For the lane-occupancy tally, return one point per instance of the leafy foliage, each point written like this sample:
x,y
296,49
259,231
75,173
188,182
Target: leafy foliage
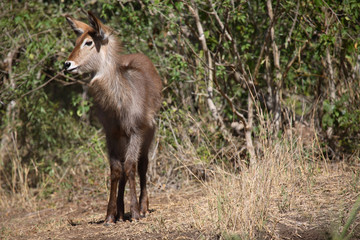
x,y
47,121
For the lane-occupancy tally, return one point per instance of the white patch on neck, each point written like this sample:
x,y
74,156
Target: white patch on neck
x,y
107,67
96,77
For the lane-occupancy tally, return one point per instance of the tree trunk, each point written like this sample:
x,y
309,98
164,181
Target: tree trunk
x,y
209,69
330,70
276,84
10,114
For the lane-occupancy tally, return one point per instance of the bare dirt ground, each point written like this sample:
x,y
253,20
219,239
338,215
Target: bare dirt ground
x,y
82,218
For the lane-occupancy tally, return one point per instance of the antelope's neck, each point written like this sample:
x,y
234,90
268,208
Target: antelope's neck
x,y
109,88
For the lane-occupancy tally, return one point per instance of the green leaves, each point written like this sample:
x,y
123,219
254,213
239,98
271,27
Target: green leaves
x,y
328,117
82,105
48,118
343,117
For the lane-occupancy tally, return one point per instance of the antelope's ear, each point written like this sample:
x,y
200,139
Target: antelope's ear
x,y
78,26
98,26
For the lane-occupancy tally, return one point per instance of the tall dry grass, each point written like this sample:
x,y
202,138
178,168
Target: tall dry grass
x,y
251,203
26,184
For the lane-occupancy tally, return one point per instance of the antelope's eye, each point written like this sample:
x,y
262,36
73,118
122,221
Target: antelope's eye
x,y
88,43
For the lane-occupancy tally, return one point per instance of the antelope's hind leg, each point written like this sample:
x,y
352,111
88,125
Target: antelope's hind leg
x,y
123,142
132,154
120,198
130,169
142,169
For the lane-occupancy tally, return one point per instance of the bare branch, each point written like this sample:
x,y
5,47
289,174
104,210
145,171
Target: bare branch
x,y
288,39
291,61
42,85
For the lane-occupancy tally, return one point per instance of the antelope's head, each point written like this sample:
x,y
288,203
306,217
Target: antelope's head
x,y
89,47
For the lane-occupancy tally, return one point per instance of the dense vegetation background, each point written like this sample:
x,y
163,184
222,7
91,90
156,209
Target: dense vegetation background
x,y
240,78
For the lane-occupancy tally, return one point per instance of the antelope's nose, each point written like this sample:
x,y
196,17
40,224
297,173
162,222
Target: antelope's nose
x,y
67,65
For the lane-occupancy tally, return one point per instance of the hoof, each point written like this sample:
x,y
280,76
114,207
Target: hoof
x,y
110,220
135,216
108,224
143,214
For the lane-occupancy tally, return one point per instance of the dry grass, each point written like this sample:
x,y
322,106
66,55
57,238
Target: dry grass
x,y
278,199
291,193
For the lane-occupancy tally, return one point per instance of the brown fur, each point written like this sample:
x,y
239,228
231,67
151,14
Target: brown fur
x,y
127,93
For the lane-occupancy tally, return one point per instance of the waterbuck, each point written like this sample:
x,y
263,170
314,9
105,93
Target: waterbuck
x,y
127,92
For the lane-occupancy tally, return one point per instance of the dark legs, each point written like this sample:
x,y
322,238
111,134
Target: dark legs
x,y
125,154
116,170
144,201
116,143
120,198
142,169
131,158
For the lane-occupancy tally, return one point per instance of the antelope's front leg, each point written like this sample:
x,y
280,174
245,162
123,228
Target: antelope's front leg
x,y
115,173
